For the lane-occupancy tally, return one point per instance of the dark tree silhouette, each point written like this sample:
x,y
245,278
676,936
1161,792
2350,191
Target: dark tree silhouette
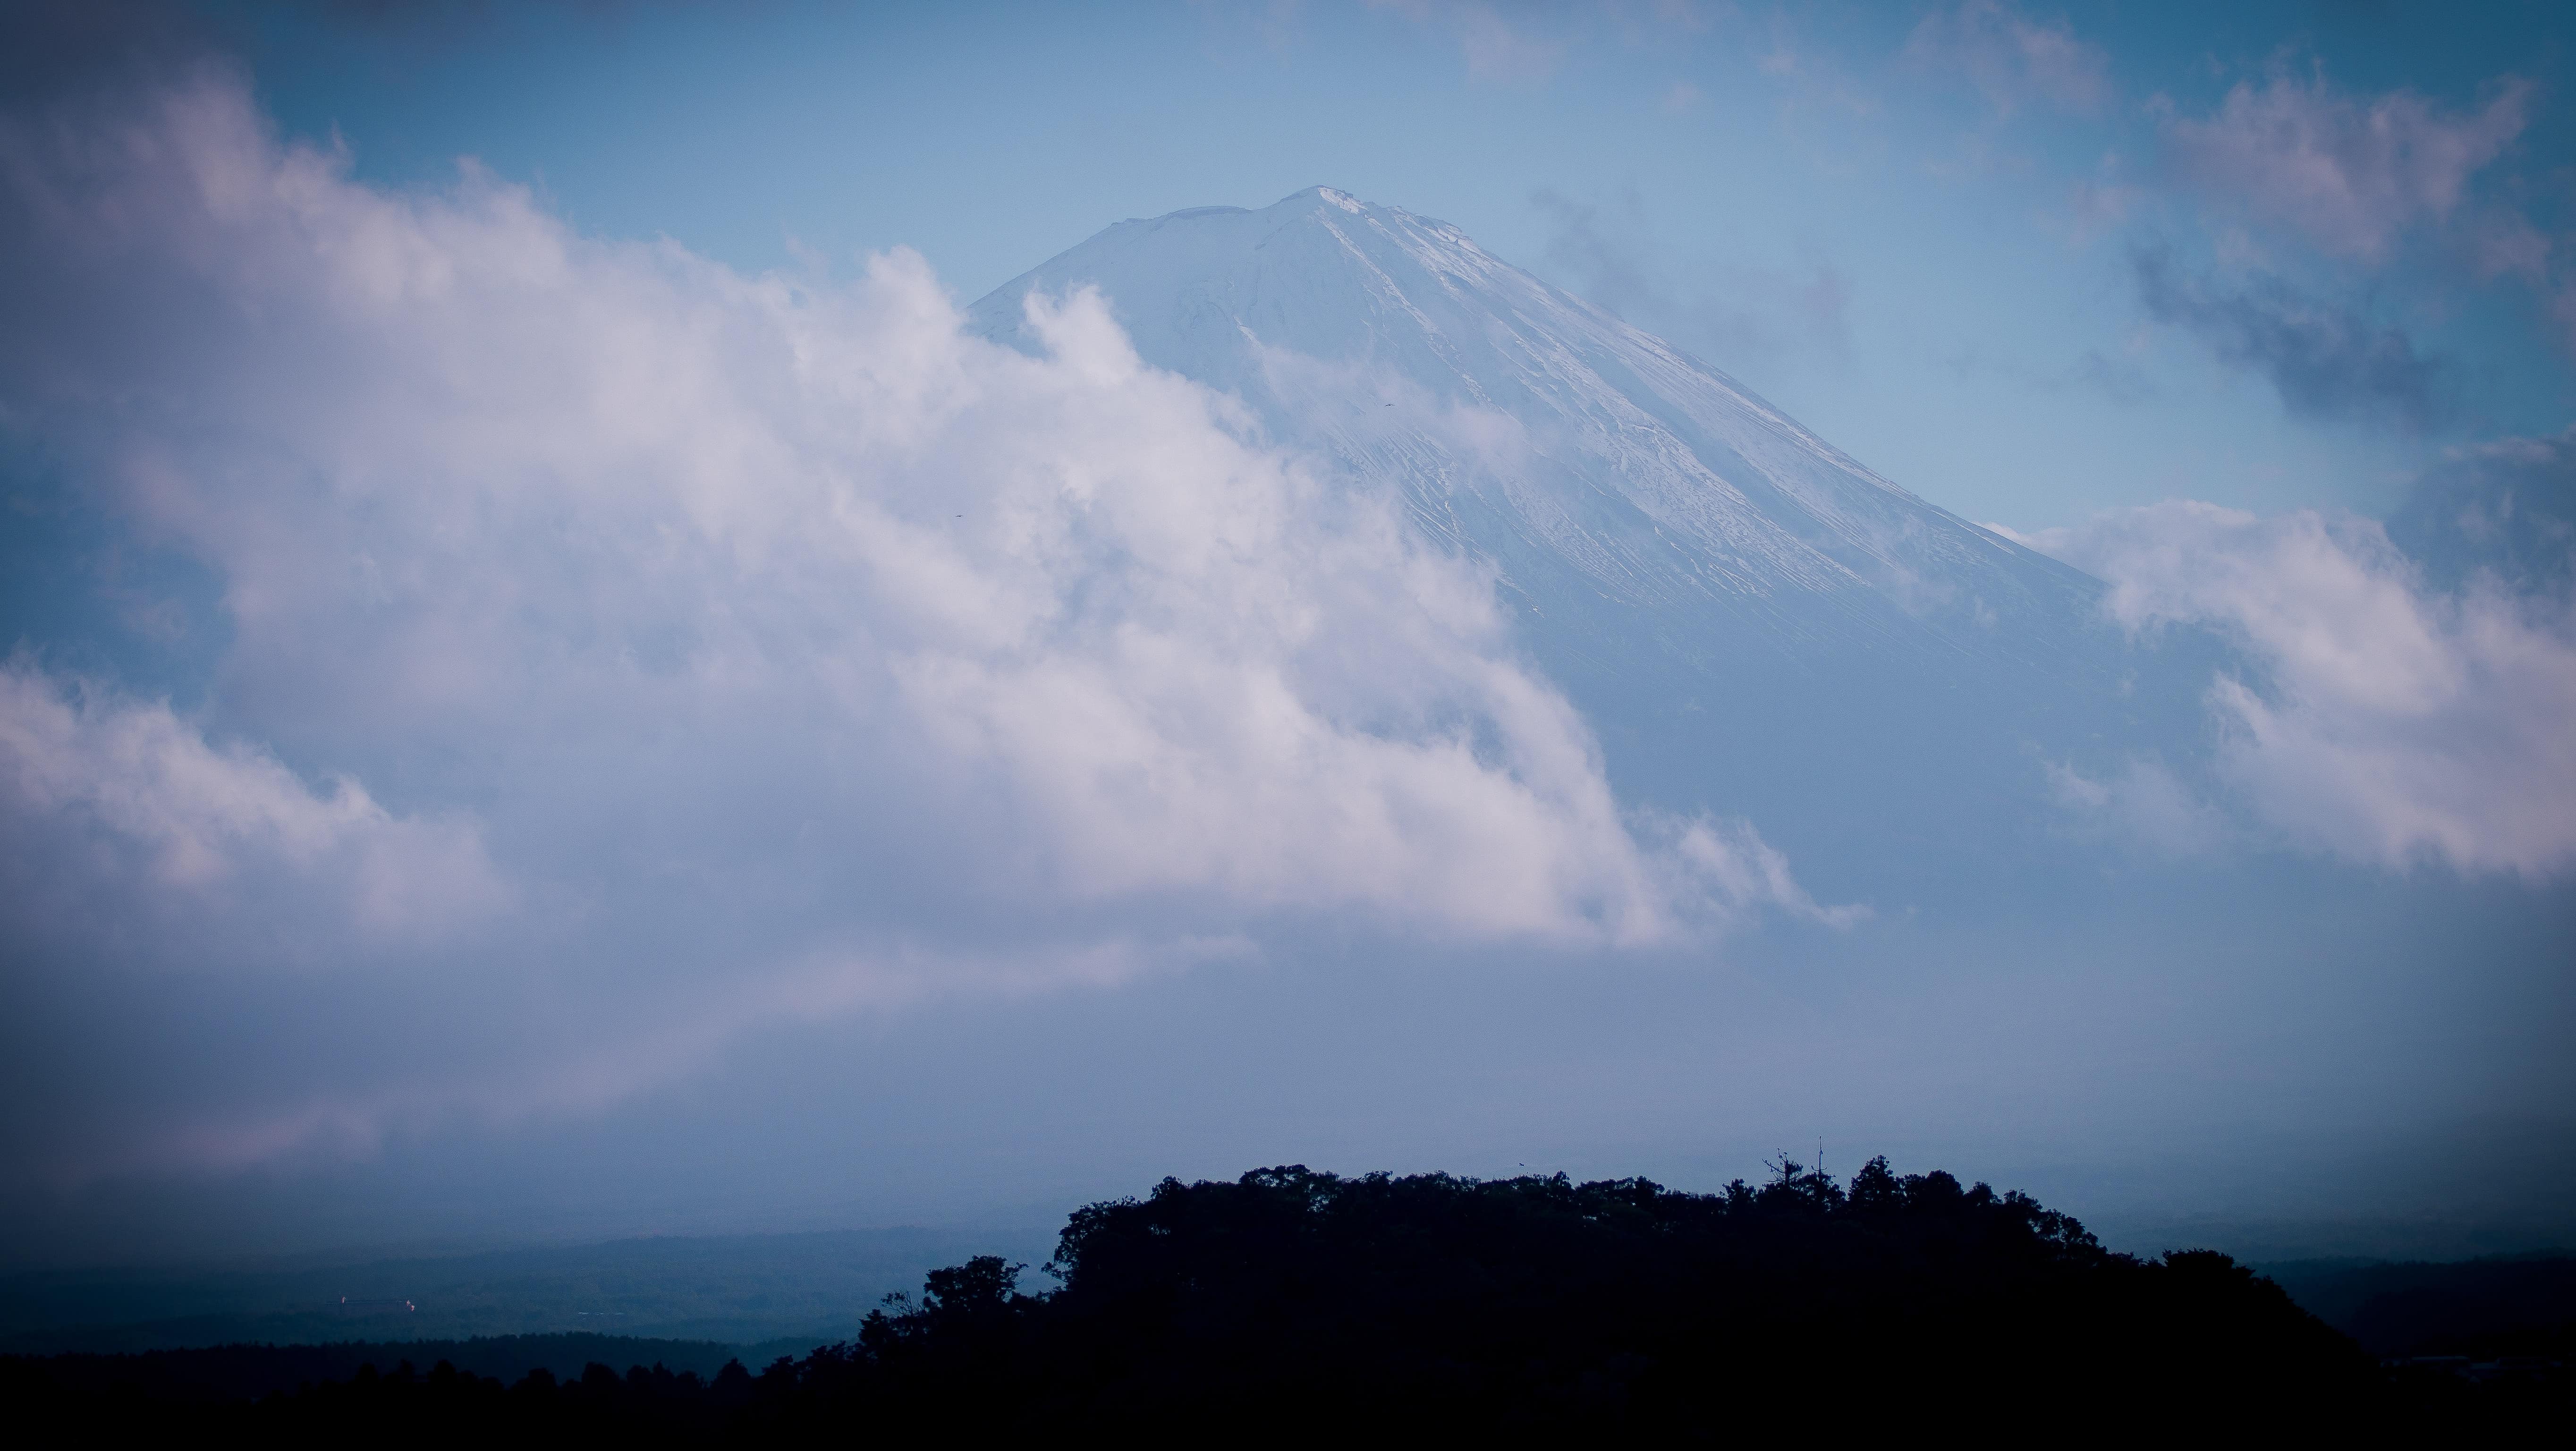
x,y
1296,1303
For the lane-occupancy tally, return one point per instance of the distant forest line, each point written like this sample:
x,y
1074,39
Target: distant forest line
x,y
1533,1304
737,1290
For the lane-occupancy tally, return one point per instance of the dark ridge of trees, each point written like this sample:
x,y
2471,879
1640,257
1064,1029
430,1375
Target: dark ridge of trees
x,y
1295,1303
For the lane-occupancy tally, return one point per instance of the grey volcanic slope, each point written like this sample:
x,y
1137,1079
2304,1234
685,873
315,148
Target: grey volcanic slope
x,y
1752,620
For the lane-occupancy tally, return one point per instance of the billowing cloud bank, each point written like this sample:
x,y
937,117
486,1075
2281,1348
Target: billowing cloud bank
x,y
699,639
2391,721
200,819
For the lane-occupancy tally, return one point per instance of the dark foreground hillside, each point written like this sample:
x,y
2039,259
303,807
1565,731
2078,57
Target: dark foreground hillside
x,y
2486,1309
1291,1303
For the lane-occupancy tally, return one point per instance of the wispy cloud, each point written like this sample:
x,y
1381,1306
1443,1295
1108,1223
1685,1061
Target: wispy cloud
x,y
1497,44
2118,379
2012,60
2352,173
2503,510
2096,208
2389,722
1752,313
2327,361
2143,802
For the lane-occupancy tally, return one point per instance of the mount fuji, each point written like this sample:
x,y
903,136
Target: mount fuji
x,y
1752,621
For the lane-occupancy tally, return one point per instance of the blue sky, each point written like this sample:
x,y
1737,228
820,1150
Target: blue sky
x,y
506,733
1893,220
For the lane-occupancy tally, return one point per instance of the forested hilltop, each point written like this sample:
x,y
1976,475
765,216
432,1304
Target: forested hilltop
x,y
1291,1302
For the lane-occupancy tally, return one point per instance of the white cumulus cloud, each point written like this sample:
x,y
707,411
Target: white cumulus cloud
x,y
2389,722
710,626
202,817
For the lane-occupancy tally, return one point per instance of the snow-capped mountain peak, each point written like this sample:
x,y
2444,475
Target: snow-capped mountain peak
x,y
1527,426
1751,619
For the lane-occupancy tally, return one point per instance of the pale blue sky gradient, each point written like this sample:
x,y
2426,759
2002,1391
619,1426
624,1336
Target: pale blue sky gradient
x,y
1862,232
